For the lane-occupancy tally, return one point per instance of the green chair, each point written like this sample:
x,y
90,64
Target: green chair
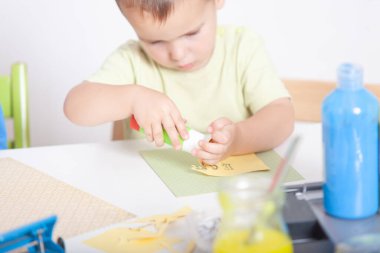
x,y
14,101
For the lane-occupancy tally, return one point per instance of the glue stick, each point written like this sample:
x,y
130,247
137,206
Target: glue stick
x,y
187,145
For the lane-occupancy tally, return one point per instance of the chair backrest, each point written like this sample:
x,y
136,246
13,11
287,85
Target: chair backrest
x,y
14,101
307,97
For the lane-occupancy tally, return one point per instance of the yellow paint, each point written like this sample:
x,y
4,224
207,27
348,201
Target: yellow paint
x,y
233,165
268,207
267,241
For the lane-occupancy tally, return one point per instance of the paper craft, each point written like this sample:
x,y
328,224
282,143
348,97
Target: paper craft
x,y
27,195
161,222
144,235
232,166
174,169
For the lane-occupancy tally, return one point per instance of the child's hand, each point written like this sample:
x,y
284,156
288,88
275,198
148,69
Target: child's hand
x,y
222,135
153,111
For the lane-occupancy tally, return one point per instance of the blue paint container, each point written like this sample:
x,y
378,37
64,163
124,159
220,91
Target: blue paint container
x,y
3,133
350,116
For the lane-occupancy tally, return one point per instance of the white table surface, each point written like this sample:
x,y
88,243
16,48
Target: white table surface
x,y
116,173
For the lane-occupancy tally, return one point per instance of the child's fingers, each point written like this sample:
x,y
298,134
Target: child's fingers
x,y
183,131
212,147
157,134
206,156
180,125
148,133
172,132
221,136
219,124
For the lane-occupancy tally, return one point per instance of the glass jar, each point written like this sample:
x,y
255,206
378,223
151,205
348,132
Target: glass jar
x,y
252,219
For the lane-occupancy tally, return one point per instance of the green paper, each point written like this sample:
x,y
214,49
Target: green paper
x,y
174,169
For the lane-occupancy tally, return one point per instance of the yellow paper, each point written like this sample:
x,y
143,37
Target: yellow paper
x,y
120,240
233,165
165,218
148,237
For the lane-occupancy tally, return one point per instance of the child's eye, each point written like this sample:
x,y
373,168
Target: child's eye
x,y
193,33
155,42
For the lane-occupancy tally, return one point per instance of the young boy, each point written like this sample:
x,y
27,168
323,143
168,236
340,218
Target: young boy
x,y
184,70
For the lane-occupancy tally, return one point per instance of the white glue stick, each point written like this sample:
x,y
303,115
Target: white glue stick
x,y
187,145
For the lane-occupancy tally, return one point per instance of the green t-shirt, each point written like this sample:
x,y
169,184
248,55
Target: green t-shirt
x,y
238,80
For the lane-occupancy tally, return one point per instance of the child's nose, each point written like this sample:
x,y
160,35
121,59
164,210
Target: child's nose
x,y
177,51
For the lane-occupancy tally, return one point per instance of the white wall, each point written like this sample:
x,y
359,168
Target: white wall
x,y
63,42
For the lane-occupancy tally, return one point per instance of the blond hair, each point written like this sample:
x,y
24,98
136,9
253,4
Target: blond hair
x,y
160,9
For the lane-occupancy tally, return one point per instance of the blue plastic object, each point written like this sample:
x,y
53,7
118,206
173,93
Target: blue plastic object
x,y
35,237
3,133
350,116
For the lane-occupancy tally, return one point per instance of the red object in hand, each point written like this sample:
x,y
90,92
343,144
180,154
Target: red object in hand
x,y
133,124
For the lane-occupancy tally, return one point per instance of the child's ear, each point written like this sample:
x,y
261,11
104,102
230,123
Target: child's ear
x,y
219,4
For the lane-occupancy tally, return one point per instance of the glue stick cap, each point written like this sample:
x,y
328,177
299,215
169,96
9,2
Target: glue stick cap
x,y
193,140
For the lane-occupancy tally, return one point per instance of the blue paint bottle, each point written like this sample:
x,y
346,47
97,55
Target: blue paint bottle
x,y
350,116
3,134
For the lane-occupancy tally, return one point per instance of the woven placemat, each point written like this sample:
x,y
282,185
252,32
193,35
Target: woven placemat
x,y
27,195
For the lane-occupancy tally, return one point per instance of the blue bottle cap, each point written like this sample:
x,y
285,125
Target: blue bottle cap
x,y
350,76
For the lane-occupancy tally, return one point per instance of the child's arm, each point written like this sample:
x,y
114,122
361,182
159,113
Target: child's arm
x,y
265,130
95,103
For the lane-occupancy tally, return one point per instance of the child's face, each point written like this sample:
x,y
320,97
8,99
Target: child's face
x,y
185,41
